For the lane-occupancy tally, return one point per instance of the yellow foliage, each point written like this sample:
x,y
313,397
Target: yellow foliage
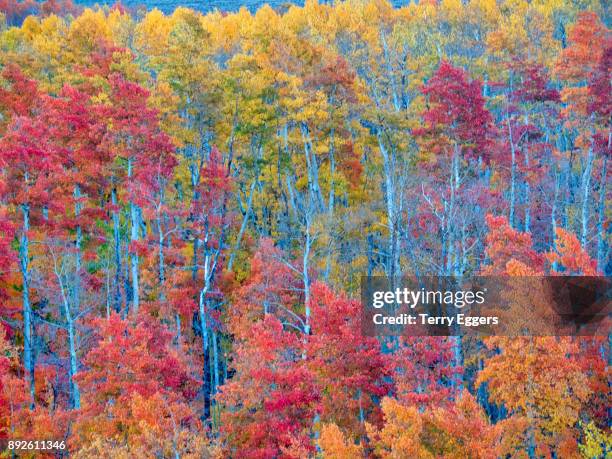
x,y
400,436
596,442
87,30
335,445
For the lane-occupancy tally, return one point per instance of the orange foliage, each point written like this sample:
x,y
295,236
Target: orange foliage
x,y
571,258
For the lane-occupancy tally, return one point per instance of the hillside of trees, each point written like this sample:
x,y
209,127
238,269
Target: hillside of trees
x,y
189,201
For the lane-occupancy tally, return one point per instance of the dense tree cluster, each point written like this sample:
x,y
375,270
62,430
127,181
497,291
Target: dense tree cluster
x,y
188,203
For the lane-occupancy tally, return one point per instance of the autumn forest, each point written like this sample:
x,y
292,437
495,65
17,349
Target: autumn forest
x,y
188,204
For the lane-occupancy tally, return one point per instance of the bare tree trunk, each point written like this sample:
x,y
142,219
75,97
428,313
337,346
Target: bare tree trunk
x,y
553,215
204,329
330,205
76,395
117,241
586,188
305,266
243,226
161,274
390,72
512,172
210,265
74,388
527,196
215,346
76,398
134,236
313,168
391,198
24,246
449,217
601,216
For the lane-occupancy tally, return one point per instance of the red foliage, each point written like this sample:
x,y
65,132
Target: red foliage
x,y
129,359
504,244
425,374
456,114
350,368
535,84
271,400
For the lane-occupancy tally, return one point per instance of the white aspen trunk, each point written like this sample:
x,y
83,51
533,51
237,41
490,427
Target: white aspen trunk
x,y
162,272
390,72
330,204
161,276
134,223
305,265
216,380
553,216
601,216
586,188
390,197
76,395
204,326
117,241
243,226
73,367
450,239
527,196
76,398
512,171
313,167
24,247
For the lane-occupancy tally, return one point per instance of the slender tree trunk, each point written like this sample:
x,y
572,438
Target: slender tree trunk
x,y
458,357
76,398
117,241
24,247
601,216
243,226
390,73
205,350
450,223
305,266
161,275
284,220
134,236
215,346
210,265
453,256
73,368
553,215
330,205
527,196
390,198
512,171
586,188
313,168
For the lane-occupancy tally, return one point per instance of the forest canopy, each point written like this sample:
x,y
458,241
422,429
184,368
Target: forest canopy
x,y
188,203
